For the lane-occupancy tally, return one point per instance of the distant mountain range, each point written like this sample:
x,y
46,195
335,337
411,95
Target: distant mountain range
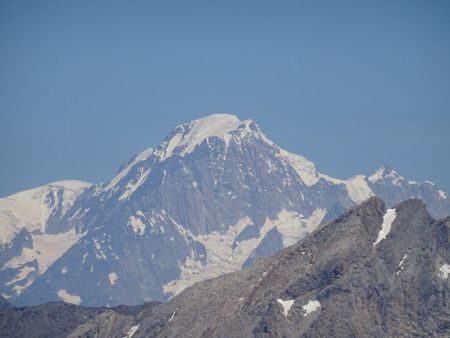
x,y
373,272
212,198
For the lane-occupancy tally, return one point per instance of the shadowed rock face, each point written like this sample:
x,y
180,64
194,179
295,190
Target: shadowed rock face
x,y
49,320
58,319
4,304
335,283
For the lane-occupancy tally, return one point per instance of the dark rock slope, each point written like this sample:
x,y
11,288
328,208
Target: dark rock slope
x,y
4,304
57,319
371,273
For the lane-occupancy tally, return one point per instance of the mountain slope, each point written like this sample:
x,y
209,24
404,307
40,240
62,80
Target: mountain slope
x,y
213,197
32,236
373,272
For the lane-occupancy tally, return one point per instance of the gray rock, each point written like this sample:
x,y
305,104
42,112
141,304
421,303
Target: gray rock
x,y
392,289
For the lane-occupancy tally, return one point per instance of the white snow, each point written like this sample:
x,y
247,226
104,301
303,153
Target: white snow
x,y
139,158
357,187
293,226
112,278
445,271
400,265
388,219
311,306
197,131
286,304
18,289
442,195
23,273
395,177
68,298
222,258
30,209
137,223
132,331
98,250
132,186
46,250
303,167
403,259
377,176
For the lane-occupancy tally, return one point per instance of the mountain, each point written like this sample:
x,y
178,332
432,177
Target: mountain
x,y
372,272
32,235
212,198
43,321
4,304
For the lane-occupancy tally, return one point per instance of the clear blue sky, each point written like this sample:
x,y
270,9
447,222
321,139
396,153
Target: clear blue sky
x,y
352,85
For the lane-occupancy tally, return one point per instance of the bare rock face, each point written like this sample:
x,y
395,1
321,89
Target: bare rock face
x,y
371,273
212,198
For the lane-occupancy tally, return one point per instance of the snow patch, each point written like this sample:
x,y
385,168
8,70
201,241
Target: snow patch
x,y
442,195
388,219
400,265
137,224
98,250
68,298
357,187
132,331
304,168
46,250
132,186
445,271
192,134
30,209
293,226
139,158
403,259
311,306
381,174
377,176
286,304
23,273
222,258
112,278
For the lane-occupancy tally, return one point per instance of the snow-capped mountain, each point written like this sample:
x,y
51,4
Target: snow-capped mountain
x,y
32,235
214,196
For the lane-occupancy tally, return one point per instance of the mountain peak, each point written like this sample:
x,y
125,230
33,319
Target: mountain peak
x,y
186,137
386,172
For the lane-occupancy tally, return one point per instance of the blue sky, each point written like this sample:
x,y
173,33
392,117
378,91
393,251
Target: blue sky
x,y
351,85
